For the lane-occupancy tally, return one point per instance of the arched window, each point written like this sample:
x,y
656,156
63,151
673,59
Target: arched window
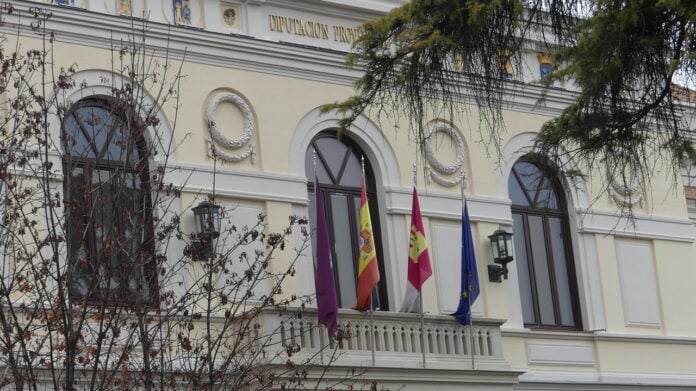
x,y
548,288
338,170
108,206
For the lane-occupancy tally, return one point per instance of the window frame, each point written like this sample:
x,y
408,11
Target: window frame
x,y
561,213
139,170
354,194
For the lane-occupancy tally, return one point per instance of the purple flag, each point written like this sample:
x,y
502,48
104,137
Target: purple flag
x,y
327,303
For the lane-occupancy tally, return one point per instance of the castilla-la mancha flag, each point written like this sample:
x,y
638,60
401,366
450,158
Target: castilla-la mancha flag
x,y
418,260
368,270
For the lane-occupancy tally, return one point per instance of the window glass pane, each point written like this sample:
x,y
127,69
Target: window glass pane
x,y
523,270
77,210
561,272
119,144
516,193
322,174
529,175
356,209
343,245
97,122
333,152
547,196
107,243
352,174
75,143
541,270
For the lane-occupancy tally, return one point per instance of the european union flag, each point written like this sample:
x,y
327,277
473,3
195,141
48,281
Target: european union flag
x,y
470,283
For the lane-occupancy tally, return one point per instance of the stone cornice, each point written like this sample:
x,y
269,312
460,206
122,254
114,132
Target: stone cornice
x,y
94,29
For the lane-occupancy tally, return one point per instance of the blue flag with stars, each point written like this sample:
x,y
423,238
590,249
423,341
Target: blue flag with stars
x,y
470,284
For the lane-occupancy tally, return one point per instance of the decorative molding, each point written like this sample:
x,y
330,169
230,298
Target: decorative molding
x,y
218,138
97,82
241,184
543,334
659,339
595,336
448,206
568,380
437,171
364,132
642,226
628,192
249,53
559,354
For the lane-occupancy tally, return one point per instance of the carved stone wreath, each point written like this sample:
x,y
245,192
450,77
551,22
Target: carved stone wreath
x,y
218,140
437,170
629,193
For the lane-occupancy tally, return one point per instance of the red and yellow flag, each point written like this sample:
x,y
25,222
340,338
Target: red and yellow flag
x,y
368,270
419,268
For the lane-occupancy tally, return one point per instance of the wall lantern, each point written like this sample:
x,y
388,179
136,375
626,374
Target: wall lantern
x,y
501,246
208,217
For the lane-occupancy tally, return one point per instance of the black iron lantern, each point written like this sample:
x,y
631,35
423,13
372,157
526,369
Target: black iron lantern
x,y
501,247
207,215
208,218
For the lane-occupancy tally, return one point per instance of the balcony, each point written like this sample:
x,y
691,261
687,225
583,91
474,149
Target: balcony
x,y
398,340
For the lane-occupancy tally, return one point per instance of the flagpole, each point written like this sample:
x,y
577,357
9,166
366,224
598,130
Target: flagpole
x,y
372,311
314,162
420,293
468,280
372,330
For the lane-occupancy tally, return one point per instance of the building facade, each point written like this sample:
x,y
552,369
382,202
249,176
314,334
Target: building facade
x,y
591,302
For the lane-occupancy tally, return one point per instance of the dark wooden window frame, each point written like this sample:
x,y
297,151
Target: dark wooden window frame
x,y
331,189
100,163
545,214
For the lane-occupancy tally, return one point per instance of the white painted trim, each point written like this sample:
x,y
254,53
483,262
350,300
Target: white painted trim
x,y
364,132
591,284
449,205
511,332
657,339
238,183
376,6
520,145
257,54
98,83
385,165
643,226
561,378
586,273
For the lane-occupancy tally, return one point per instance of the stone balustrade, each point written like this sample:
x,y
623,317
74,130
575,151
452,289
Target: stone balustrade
x,y
397,339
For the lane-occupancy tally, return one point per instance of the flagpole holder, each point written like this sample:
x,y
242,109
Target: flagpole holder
x,y
497,273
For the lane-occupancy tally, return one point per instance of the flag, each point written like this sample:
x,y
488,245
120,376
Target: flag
x,y
470,283
327,302
418,260
368,270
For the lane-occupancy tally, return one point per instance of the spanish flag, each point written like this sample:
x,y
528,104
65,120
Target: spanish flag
x,y
368,271
419,268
